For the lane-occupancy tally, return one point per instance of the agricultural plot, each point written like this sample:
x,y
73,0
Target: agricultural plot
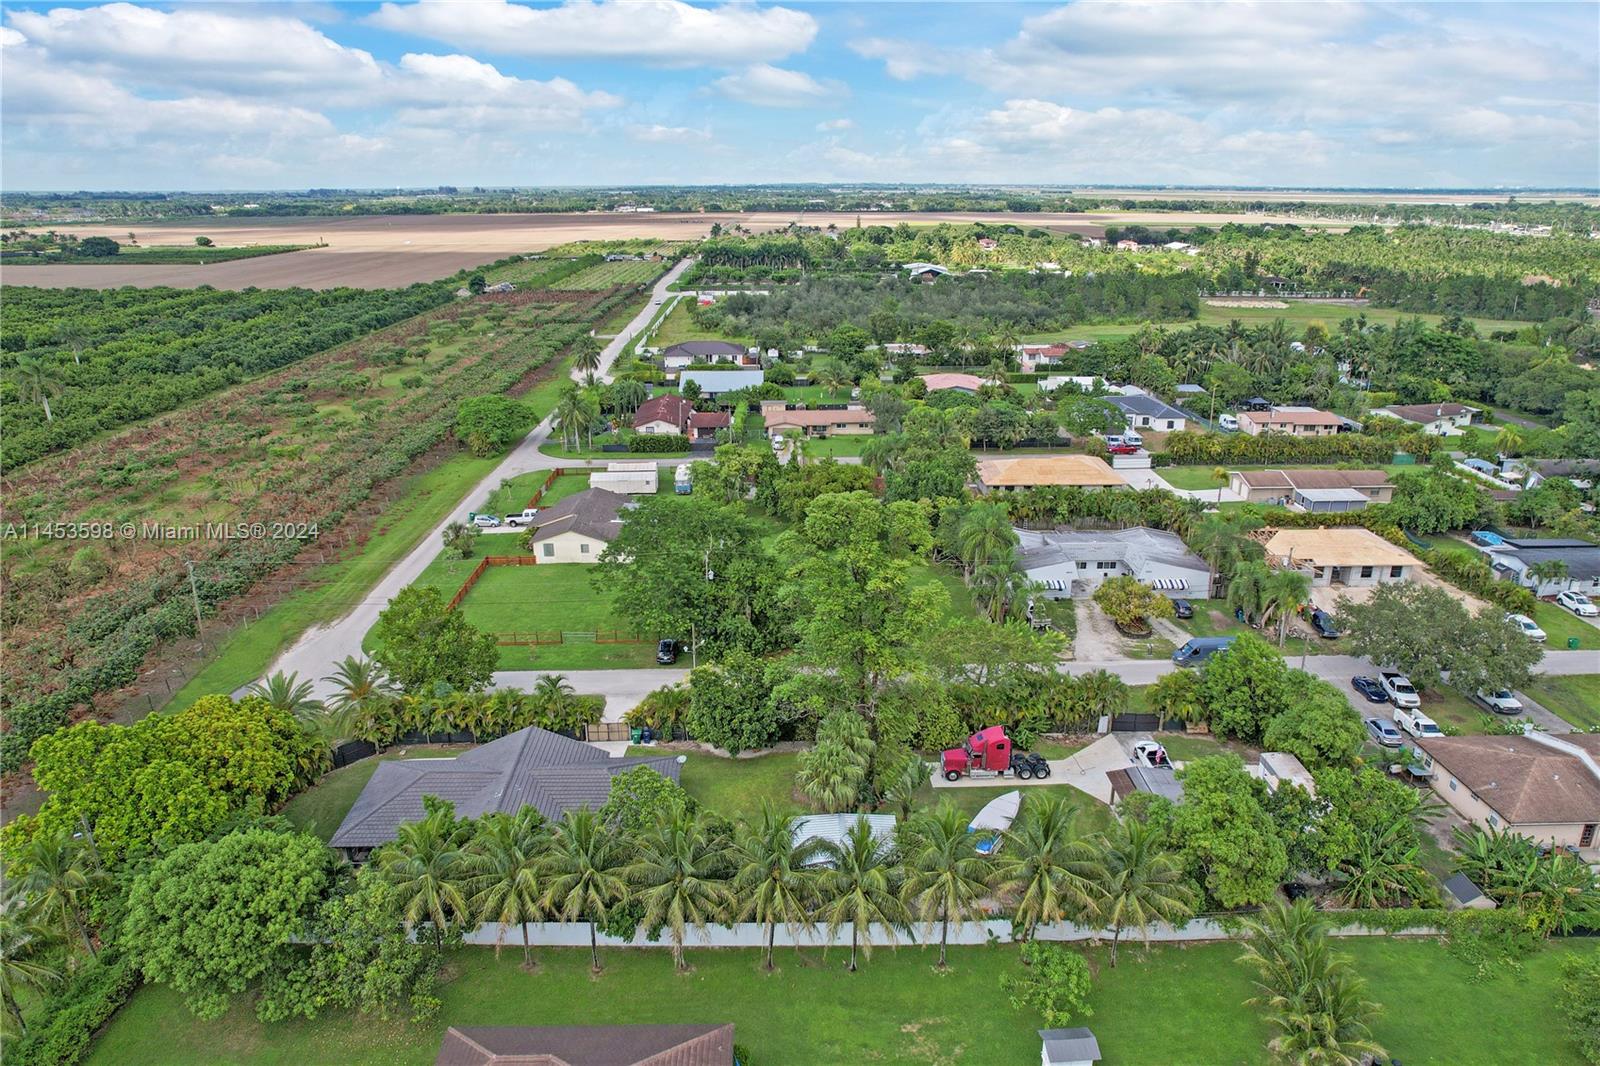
x,y
608,275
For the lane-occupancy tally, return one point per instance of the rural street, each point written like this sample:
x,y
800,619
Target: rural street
x,y
321,648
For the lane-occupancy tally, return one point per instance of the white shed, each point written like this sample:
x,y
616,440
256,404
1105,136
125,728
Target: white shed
x,y
1068,1047
634,479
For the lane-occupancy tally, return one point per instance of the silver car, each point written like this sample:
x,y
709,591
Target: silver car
x,y
1384,733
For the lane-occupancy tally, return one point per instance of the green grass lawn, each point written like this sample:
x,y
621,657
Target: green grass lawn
x,y
1575,697
1561,625
340,585
514,493
678,327
1170,1006
320,808
737,787
833,447
960,595
1449,708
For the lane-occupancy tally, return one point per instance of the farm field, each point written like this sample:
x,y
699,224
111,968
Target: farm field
x,y
135,255
678,327
810,1011
606,275
1297,314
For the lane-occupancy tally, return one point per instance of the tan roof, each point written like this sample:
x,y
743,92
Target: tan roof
x,y
1313,479
1347,546
1048,470
1280,415
1524,781
935,382
847,417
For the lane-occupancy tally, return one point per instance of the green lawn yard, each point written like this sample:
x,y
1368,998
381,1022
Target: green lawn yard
x,y
832,447
1450,709
678,327
944,574
1575,697
514,493
737,787
1561,625
1169,1007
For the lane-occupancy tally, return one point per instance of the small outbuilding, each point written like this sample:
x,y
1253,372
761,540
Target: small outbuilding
x,y
1068,1047
1466,895
633,479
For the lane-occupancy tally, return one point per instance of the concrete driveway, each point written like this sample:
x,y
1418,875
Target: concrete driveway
x,y
1084,770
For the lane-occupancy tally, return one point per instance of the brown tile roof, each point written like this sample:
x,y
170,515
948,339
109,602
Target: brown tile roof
x,y
710,419
1086,470
588,1045
1525,781
1313,479
673,409
847,417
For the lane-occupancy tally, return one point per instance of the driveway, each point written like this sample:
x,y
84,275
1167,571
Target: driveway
x,y
321,648
1097,637
1149,479
1084,770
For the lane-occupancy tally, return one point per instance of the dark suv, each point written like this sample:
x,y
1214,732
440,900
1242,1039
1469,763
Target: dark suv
x,y
667,652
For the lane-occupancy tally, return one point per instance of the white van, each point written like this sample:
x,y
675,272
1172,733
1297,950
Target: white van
x,y
1133,438
1228,422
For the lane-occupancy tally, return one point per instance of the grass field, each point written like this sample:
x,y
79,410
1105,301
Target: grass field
x,y
1575,697
736,787
678,327
161,254
1561,625
960,595
603,276
514,493
1170,1006
833,447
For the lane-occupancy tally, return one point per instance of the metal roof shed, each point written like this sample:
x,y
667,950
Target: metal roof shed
x,y
1069,1047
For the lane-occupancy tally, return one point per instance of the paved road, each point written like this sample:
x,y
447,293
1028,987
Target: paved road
x,y
314,656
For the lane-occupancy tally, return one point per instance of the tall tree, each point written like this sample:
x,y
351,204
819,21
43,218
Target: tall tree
x,y
858,887
1046,866
502,871
60,874
772,875
677,877
945,878
27,956
1140,883
584,873
426,863
422,643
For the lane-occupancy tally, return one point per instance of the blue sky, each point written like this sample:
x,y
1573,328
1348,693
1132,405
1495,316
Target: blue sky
x,y
464,92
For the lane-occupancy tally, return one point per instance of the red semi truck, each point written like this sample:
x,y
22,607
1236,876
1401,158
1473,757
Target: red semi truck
x,y
988,753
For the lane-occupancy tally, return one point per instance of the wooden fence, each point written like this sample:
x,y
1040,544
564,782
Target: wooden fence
x,y
484,564
551,480
534,638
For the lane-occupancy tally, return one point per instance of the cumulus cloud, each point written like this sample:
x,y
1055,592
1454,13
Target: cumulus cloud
x,y
833,124
668,134
768,86
659,31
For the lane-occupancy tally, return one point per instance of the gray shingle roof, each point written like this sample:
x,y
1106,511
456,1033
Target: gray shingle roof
x,y
706,349
1133,547
592,512
1145,404
1069,1045
532,767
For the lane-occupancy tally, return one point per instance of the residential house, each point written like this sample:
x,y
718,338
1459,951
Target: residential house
x,y
1515,558
1068,1047
1027,472
1438,419
1037,358
905,348
631,479
1127,246
925,271
681,355
532,767
967,383
1347,555
717,382
1537,785
1312,490
1295,421
1581,472
1144,411
578,528
588,1045
1073,562
824,422
673,414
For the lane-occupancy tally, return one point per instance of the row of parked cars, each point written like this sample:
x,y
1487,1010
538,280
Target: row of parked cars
x,y
1397,689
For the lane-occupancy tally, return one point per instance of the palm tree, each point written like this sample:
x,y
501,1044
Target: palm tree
x,y
586,354
830,375
858,887
629,393
58,874
26,956
1311,995
1101,693
944,876
552,693
362,691
1281,593
288,693
984,535
1247,590
38,380
1222,543
1383,869
502,871
1045,865
771,874
425,863
1140,883
900,792
676,878
1176,696
583,873
1508,441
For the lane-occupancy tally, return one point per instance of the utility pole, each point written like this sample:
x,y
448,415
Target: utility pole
x,y
194,594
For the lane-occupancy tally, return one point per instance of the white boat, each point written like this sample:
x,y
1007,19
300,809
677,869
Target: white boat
x,y
995,818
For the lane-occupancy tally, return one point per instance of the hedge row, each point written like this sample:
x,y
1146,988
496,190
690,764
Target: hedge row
x,y
74,1014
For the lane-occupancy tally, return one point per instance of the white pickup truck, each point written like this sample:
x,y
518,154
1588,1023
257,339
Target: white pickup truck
x,y
524,519
1402,693
1417,724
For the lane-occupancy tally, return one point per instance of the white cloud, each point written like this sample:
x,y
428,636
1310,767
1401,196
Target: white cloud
x,y
832,124
668,134
768,86
661,31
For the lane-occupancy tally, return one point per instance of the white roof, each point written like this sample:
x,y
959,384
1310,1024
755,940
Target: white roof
x,y
832,828
998,813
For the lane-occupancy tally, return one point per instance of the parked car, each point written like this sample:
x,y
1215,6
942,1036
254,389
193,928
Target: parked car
x,y
524,519
1383,733
486,521
1500,701
1200,649
1228,422
1529,627
1417,724
1370,688
1322,622
1182,608
1133,438
1578,603
1402,693
667,651
1123,448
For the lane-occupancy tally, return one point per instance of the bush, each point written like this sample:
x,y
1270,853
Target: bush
x,y
657,442
74,1014
1055,983
490,424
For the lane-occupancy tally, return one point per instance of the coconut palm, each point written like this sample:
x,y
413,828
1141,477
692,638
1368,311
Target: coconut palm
x,y
676,878
901,788
629,393
552,693
945,878
1247,590
583,873
1383,870
1140,883
830,376
425,864
288,693
858,887
984,535
1281,593
502,871
38,380
27,956
1045,865
772,878
1101,693
362,692
59,873
1508,441
586,354
1310,994
1176,696
1222,543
